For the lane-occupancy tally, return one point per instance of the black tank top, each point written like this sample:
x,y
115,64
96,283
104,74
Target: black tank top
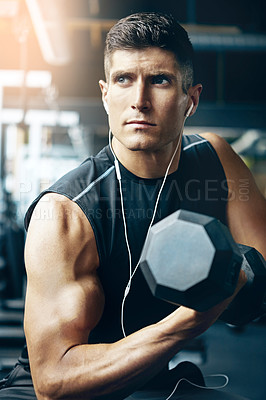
x,y
199,185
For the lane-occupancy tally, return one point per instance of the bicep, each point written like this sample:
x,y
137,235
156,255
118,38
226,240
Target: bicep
x,y
64,299
246,206
246,211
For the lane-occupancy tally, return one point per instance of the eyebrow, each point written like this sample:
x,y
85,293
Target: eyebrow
x,y
118,73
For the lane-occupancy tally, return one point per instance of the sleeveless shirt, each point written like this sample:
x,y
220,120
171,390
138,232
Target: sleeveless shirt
x,y
199,185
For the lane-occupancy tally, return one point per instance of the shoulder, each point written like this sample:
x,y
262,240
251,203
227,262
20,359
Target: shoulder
x,y
58,230
56,210
219,143
233,165
237,173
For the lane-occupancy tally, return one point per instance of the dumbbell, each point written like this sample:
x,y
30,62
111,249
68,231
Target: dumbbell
x,y
191,259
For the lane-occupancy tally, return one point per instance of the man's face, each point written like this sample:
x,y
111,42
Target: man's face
x,y
146,103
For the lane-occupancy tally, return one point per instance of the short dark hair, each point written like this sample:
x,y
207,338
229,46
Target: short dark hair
x,y
150,29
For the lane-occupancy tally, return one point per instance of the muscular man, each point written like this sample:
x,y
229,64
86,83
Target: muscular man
x,y
85,231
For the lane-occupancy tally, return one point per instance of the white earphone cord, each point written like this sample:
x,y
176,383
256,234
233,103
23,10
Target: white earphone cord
x,y
199,386
150,225
118,174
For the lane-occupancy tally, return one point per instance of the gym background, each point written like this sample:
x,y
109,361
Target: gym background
x,y
51,118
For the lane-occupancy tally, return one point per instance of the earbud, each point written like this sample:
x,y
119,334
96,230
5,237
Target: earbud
x,y
189,110
106,107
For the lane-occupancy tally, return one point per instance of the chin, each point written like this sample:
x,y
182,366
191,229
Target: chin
x,y
141,142
141,146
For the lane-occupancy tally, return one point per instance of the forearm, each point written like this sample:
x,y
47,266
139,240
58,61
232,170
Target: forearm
x,y
105,371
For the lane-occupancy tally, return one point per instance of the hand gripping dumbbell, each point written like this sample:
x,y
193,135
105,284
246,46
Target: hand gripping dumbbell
x,y
191,259
250,302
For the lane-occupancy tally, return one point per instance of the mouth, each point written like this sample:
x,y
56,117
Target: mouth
x,y
140,123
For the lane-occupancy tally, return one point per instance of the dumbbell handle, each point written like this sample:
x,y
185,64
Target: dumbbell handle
x,y
245,264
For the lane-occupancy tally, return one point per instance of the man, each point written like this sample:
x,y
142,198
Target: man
x,y
86,232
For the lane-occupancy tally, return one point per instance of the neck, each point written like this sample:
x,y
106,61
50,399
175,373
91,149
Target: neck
x,y
149,164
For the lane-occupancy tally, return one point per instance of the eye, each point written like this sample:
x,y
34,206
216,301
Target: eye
x,y
160,80
122,79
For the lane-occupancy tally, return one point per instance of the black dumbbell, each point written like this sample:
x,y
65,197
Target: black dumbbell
x,y
192,259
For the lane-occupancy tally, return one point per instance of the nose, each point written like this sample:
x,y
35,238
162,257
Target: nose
x,y
141,98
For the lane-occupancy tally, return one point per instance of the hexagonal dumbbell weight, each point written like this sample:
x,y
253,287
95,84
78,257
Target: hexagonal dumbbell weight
x,y
191,259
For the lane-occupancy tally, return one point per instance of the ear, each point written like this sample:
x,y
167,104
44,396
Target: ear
x,y
104,89
194,95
